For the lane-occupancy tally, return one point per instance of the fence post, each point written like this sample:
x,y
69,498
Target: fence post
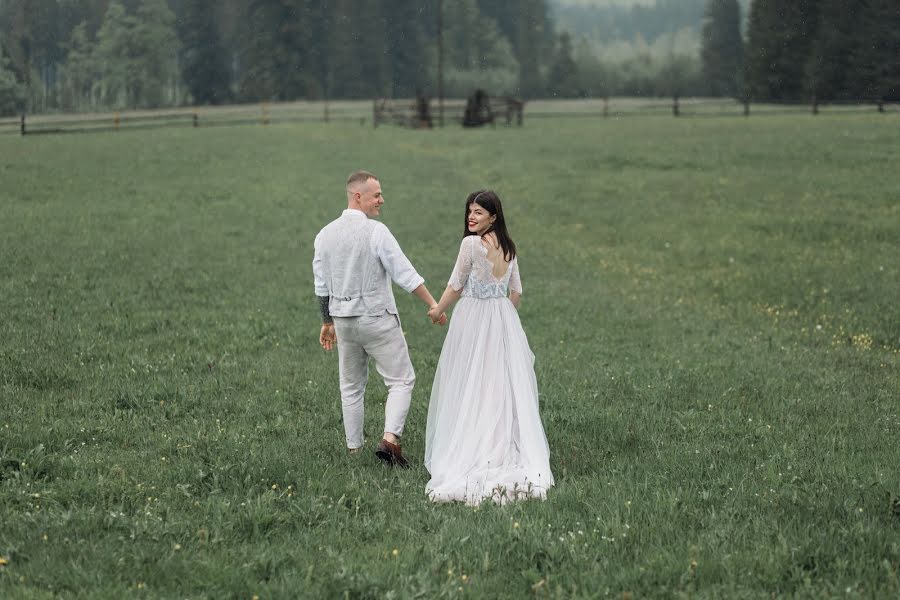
x,y
196,120
23,124
880,109
605,107
815,105
264,114
374,113
746,107
116,121
675,111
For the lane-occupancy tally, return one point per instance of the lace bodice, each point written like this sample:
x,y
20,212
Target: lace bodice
x,y
473,273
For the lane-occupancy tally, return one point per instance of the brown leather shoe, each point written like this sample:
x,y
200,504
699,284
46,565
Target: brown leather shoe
x,y
391,454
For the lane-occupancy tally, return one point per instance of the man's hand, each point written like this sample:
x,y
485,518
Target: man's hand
x,y
436,318
327,337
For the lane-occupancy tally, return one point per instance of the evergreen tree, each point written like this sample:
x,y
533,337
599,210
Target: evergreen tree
x,y
874,65
528,34
155,55
722,51
342,69
136,55
204,60
113,54
12,93
527,25
278,50
478,56
81,70
370,34
562,79
594,79
828,63
780,36
408,49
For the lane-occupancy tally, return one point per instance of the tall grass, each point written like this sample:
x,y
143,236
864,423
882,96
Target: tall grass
x,y
712,304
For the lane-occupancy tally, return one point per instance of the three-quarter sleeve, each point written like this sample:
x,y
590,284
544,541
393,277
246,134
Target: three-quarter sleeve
x,y
515,282
464,262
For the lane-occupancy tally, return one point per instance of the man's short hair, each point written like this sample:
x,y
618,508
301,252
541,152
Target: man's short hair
x,y
360,177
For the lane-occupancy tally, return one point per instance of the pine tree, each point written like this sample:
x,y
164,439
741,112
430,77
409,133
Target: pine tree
x,y
81,70
780,36
874,65
408,49
722,52
12,93
204,60
827,73
113,54
528,34
562,79
155,48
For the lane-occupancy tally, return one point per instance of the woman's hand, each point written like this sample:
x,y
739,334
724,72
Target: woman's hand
x,y
437,317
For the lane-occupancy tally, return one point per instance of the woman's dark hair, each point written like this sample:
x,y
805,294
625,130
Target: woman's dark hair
x,y
490,201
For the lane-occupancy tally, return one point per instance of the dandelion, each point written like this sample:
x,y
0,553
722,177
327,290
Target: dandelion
x,y
395,552
3,561
863,341
516,525
177,547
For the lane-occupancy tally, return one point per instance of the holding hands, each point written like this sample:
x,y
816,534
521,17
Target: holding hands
x,y
437,317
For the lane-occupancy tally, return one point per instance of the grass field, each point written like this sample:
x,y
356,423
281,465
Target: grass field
x,y
713,306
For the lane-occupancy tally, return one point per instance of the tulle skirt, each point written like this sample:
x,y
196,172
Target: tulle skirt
x,y
484,438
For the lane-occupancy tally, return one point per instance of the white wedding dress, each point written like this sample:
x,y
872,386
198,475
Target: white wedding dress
x,y
484,438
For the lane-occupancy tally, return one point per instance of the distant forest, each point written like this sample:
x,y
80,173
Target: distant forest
x,y
83,55
604,23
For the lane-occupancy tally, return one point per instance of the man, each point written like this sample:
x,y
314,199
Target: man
x,y
355,260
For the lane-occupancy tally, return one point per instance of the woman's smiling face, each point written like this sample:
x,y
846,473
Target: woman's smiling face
x,y
479,218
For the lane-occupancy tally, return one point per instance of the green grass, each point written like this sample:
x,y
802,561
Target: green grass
x,y
713,305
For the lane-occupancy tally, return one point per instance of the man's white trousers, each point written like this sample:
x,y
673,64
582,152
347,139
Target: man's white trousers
x,y
380,338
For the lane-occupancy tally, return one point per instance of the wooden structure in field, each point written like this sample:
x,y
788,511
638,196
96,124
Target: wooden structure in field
x,y
480,109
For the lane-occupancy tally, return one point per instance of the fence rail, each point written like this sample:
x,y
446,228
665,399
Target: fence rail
x,y
364,112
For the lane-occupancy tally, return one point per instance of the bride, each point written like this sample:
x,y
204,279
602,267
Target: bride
x,y
484,438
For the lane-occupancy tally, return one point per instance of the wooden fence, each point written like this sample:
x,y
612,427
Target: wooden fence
x,y
403,113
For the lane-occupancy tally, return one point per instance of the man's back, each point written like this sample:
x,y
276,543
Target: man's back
x,y
356,278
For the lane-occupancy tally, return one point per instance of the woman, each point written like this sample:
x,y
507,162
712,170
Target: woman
x,y
484,438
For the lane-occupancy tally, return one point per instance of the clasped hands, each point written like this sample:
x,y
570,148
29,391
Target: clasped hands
x,y
328,338
440,319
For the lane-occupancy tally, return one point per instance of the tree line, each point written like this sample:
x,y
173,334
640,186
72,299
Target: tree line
x,y
93,54
80,55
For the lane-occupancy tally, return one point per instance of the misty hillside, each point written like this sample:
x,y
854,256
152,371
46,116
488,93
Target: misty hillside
x,y
612,20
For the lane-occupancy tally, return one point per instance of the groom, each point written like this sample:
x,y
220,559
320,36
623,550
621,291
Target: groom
x,y
355,260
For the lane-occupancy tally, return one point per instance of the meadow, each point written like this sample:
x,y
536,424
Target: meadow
x,y
712,303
